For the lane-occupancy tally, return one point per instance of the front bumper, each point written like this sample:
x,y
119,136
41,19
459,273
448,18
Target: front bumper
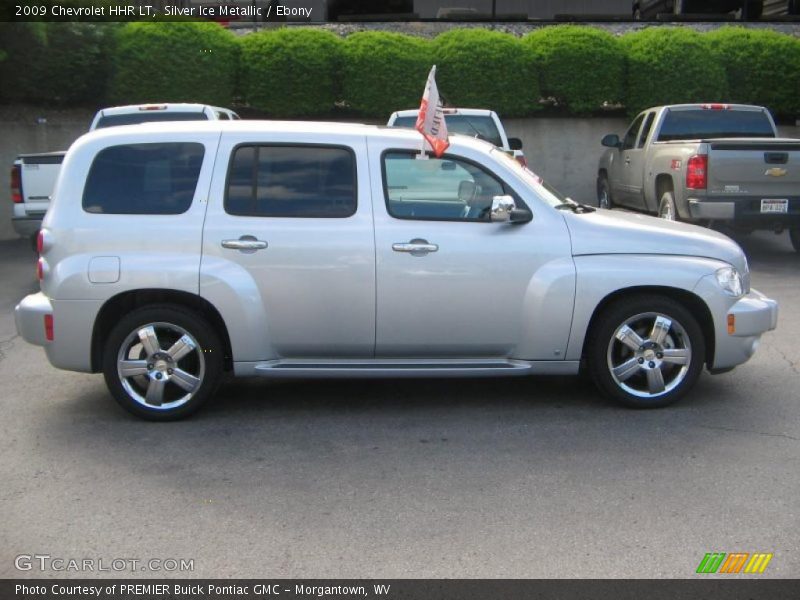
x,y
753,315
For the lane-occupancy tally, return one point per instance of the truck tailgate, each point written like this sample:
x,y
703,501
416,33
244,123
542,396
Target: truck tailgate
x,y
756,168
39,174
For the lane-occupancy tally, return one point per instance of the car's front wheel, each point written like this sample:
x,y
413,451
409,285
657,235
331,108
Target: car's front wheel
x,y
646,351
162,362
604,193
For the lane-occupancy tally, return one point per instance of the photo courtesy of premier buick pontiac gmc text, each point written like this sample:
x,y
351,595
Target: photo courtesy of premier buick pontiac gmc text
x,y
177,253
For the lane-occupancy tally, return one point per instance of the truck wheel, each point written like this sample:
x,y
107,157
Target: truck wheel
x,y
604,193
646,351
666,208
794,235
163,362
754,9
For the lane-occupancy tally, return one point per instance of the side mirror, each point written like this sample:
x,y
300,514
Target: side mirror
x,y
501,209
515,143
521,215
611,141
504,210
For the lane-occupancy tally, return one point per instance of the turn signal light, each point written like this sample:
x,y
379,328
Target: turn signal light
x,y
731,324
40,269
48,327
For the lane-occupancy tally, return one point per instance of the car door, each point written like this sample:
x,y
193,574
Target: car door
x,y
623,169
634,164
452,284
288,247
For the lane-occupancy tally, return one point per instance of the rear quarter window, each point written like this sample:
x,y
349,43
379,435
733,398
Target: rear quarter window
x,y
143,179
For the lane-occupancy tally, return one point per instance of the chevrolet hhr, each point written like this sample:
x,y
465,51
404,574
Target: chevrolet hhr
x,y
177,253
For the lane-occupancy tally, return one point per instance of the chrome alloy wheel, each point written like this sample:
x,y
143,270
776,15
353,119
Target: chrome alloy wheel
x,y
667,211
160,366
649,355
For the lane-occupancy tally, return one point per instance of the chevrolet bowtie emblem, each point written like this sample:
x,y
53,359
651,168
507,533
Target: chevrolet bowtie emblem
x,y
775,172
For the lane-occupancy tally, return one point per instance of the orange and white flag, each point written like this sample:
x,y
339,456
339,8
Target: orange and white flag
x,y
430,121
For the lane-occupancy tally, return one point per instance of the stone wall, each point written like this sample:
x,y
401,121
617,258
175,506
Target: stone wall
x,y
564,151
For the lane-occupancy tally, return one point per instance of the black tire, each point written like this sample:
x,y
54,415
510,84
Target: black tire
x,y
604,198
629,376
666,207
184,384
755,8
794,236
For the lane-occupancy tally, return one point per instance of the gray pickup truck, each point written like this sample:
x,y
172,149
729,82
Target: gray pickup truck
x,y
705,163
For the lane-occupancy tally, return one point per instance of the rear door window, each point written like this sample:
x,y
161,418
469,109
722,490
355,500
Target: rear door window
x,y
292,181
143,179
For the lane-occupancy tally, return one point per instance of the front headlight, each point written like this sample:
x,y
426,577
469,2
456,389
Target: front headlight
x,y
730,281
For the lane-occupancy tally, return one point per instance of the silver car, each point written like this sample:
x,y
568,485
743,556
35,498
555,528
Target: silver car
x,y
177,253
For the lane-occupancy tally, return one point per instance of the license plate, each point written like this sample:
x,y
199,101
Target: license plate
x,y
775,206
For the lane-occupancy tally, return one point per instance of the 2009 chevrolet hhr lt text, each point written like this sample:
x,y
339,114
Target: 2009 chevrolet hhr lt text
x,y
176,252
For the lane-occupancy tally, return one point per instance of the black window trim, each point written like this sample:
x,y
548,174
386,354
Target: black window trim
x,y
507,189
149,214
349,149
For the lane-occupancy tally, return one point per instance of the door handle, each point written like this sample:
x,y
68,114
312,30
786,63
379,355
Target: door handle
x,y
416,247
245,243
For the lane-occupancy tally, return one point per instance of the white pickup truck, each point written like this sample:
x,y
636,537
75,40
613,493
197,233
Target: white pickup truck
x,y
33,176
475,122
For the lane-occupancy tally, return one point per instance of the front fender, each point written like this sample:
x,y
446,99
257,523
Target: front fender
x,y
599,276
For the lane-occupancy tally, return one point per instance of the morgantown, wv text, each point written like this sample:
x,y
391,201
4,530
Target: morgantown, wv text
x,y
199,589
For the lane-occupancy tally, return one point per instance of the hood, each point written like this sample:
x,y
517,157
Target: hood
x,y
617,232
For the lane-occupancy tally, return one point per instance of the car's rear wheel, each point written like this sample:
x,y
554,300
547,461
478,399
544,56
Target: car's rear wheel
x,y
604,199
666,207
162,362
794,236
646,351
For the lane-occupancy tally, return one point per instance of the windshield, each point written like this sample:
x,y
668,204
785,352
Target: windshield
x,y
480,127
546,192
148,117
697,124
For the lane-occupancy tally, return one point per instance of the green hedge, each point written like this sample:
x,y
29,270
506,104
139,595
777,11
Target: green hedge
x,y
384,72
55,63
291,72
762,67
477,68
668,65
581,67
309,72
174,62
